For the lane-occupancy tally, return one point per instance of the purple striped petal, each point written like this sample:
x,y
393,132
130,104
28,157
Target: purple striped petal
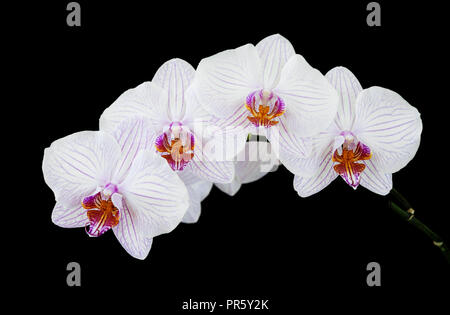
x,y
155,192
208,164
291,148
389,126
197,189
131,230
195,115
323,176
348,88
175,76
311,101
376,181
69,216
224,80
147,99
132,134
75,165
227,137
274,51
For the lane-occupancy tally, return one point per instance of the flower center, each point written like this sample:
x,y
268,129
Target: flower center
x,y
348,167
176,145
102,214
269,108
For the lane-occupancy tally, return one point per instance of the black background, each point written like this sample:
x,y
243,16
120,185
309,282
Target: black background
x,y
265,242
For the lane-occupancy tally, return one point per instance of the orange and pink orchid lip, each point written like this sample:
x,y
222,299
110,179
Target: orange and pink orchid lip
x,y
176,147
102,214
270,107
349,166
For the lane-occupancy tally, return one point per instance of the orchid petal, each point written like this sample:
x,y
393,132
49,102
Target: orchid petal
x,y
255,161
311,101
153,190
258,160
131,230
230,188
75,165
292,149
147,99
133,135
226,137
389,126
175,76
376,181
197,189
195,115
208,164
248,171
222,81
229,135
323,176
69,216
348,88
274,51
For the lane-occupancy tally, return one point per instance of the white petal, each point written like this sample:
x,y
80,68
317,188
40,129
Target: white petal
x,y
389,126
75,165
258,159
374,180
311,101
287,143
255,161
175,76
323,176
131,230
223,81
230,188
69,216
225,137
198,189
249,171
274,51
201,186
195,115
229,135
147,99
132,134
208,164
154,191
348,88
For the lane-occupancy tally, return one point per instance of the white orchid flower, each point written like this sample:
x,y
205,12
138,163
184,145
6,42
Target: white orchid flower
x,y
180,127
269,90
375,133
105,181
255,161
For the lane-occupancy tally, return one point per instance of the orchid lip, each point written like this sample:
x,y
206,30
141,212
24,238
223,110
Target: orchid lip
x,y
350,165
176,145
270,107
102,214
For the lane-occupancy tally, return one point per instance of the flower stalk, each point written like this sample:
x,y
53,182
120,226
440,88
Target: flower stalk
x,y
402,200
409,217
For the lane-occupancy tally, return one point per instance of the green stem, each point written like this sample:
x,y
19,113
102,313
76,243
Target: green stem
x,y
402,200
411,219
